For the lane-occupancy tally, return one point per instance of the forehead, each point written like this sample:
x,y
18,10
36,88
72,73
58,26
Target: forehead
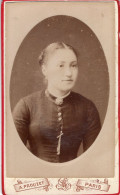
x,y
62,55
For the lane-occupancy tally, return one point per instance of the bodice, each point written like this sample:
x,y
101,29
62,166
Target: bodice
x,y
39,121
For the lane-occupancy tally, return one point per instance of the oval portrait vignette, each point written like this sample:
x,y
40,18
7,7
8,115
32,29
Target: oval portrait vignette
x,y
59,89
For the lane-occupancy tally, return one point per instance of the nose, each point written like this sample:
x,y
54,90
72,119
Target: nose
x,y
68,72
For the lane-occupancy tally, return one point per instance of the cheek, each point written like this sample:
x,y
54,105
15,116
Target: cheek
x,y
76,73
50,73
54,73
53,76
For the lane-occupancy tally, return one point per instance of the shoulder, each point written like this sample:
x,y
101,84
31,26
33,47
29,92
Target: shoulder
x,y
34,100
83,102
80,98
33,97
29,100
86,105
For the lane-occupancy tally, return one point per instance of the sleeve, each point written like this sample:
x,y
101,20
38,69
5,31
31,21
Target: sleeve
x,y
21,120
92,126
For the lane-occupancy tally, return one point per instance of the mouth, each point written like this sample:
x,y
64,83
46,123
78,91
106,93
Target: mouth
x,y
68,80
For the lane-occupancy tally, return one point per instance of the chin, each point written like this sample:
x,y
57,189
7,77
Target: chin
x,y
66,89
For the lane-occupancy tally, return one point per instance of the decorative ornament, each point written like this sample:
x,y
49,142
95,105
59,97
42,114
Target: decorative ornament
x,y
59,101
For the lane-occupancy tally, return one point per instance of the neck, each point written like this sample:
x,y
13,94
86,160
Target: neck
x,y
57,93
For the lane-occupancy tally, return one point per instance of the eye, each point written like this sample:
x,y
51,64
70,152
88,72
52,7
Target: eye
x,y
73,65
61,65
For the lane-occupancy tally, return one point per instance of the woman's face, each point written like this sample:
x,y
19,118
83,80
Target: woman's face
x,y
61,70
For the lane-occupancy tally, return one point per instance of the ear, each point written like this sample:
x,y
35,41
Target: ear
x,y
44,70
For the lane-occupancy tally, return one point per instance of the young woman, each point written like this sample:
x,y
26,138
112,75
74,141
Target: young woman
x,y
57,120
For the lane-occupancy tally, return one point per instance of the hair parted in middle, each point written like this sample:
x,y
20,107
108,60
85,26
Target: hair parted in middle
x,y
51,49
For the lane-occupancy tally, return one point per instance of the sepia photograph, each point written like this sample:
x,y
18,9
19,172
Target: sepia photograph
x,y
60,97
52,120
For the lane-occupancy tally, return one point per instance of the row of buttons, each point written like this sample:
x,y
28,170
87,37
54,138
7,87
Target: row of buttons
x,y
59,113
60,118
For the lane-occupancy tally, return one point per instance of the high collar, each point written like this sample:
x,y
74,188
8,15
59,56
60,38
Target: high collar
x,y
57,100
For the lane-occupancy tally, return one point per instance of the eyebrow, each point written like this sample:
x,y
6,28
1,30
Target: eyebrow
x,y
74,61
71,61
62,61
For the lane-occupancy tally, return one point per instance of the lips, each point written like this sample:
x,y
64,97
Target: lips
x,y
68,80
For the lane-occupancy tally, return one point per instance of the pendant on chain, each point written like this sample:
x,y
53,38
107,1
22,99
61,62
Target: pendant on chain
x,y
59,142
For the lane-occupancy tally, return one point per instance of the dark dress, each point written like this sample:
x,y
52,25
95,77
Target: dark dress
x,y
39,120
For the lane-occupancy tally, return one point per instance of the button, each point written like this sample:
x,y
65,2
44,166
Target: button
x,y
59,109
59,113
60,118
60,123
61,127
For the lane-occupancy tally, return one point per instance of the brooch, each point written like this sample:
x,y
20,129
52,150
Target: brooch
x,y
59,101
